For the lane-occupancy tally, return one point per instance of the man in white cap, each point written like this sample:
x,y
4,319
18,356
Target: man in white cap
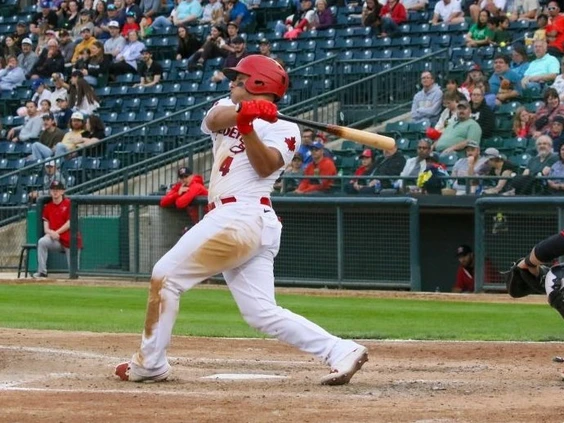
x,y
115,44
27,57
74,138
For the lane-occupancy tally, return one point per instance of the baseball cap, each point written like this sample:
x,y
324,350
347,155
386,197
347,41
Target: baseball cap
x,y
111,7
474,67
45,4
492,153
57,185
131,14
27,41
77,115
50,163
298,156
21,23
85,12
77,73
85,29
558,119
233,24
238,40
463,250
463,104
317,145
113,24
472,144
63,33
184,171
366,153
37,83
264,41
61,99
48,116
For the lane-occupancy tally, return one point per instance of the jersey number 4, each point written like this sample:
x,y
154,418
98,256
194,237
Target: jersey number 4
x,y
224,168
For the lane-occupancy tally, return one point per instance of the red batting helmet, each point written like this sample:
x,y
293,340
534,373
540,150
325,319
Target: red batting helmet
x,y
266,75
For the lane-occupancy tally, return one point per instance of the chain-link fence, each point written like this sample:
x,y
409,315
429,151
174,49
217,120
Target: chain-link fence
x,y
507,229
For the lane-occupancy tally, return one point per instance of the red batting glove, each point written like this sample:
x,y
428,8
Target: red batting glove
x,y
248,111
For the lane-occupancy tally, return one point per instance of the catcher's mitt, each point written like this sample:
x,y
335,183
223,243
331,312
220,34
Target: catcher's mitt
x,y
520,282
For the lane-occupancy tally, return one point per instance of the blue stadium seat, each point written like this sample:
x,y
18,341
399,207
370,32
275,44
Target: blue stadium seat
x,y
131,104
151,103
154,148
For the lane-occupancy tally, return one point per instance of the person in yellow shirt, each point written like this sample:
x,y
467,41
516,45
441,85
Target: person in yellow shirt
x,y
87,41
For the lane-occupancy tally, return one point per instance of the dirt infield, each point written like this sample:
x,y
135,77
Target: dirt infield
x,y
52,376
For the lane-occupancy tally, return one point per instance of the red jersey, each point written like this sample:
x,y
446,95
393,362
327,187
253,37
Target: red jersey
x,y
57,215
195,189
465,277
325,167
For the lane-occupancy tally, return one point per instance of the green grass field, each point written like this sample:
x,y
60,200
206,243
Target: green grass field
x,y
212,312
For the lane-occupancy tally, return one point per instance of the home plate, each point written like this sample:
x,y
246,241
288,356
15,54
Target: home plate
x,y
242,376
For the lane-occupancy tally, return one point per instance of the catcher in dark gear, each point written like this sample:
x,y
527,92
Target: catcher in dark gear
x,y
530,276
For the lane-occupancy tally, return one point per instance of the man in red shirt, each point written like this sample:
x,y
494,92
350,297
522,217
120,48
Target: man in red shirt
x,y
56,226
181,195
320,166
465,273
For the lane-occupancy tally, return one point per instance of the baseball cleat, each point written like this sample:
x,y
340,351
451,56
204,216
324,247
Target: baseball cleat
x,y
345,369
126,373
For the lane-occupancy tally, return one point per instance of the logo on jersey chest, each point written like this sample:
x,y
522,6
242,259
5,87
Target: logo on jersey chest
x,y
235,135
291,143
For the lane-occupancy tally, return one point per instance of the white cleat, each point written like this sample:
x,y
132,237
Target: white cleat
x,y
345,369
125,373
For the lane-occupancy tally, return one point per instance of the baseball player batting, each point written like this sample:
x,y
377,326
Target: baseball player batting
x,y
240,236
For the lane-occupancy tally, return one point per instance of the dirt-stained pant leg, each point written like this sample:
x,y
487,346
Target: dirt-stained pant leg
x,y
224,239
252,287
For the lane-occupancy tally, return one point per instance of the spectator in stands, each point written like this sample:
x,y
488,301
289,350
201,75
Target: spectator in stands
x,y
12,75
319,166
210,50
390,164
519,60
149,11
88,5
150,71
494,7
130,7
28,57
83,99
429,181
295,168
31,127
100,21
212,13
44,107
479,34
299,22
74,138
44,19
427,103
324,18
449,114
130,25
415,5
50,136
474,75
20,33
371,14
56,225
452,86
10,47
524,10
555,132
481,113
114,15
82,62
64,113
392,15
265,49
87,41
59,90
182,194
126,60
556,186
472,165
50,174
41,92
188,43
489,97
415,165
235,11
502,36
455,137
542,23
115,44
233,58
554,31
95,132
447,11
68,17
84,22
186,12
43,39
50,61
499,166
522,122
353,186
66,45
546,113
308,136
541,163
543,69
503,72
98,65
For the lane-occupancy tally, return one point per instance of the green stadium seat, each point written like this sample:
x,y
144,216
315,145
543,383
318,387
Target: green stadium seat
x,y
520,160
517,145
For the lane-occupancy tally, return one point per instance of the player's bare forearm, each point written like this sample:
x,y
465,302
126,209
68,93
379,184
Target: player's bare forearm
x,y
221,117
63,228
265,160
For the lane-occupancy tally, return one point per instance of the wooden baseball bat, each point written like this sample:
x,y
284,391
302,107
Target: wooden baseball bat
x,y
362,137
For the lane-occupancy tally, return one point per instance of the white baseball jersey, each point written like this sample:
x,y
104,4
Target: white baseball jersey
x,y
232,173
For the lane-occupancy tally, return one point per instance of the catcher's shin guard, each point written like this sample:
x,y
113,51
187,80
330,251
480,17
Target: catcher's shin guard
x,y
553,286
521,282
